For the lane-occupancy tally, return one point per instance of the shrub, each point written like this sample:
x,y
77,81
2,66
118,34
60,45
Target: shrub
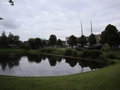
x,y
49,50
103,57
42,50
68,52
112,56
58,51
93,54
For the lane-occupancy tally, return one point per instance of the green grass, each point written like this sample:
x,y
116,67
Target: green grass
x,y
107,78
10,50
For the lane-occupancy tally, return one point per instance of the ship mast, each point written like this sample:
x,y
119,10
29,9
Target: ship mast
x,y
91,26
81,28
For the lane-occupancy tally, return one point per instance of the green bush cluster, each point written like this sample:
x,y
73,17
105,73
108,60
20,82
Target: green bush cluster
x,y
92,54
51,51
71,52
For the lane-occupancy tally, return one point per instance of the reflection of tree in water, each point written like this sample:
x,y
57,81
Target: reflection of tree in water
x,y
34,58
9,60
72,62
53,60
43,57
91,64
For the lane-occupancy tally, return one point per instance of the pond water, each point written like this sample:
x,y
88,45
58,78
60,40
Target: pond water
x,y
41,65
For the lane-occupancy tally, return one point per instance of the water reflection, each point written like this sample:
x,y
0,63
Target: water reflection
x,y
41,65
9,60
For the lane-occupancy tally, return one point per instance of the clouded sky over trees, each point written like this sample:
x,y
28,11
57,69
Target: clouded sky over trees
x,y
41,18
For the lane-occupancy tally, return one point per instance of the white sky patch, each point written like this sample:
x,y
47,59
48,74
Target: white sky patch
x,y
41,18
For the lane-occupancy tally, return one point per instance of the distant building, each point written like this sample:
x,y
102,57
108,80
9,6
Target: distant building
x,y
97,36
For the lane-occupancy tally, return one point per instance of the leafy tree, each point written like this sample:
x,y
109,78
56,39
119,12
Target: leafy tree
x,y
35,43
92,39
44,43
16,40
110,35
31,43
72,40
82,40
38,43
3,40
11,38
52,40
59,42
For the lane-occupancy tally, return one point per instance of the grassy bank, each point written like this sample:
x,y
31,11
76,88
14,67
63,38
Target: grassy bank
x,y
107,78
10,50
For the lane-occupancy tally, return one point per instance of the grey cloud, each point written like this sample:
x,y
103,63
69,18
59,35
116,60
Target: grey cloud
x,y
60,17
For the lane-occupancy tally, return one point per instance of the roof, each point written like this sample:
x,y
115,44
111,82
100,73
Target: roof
x,y
43,39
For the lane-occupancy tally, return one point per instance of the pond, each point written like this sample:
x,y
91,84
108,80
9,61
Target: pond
x,y
41,65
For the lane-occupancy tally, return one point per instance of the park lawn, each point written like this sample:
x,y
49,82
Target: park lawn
x,y
107,78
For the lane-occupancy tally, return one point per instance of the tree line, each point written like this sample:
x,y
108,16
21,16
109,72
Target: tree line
x,y
110,35
36,43
9,41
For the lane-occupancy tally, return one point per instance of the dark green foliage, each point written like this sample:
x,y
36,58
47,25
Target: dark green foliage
x,y
6,41
52,40
82,40
35,43
93,54
44,43
110,35
49,50
3,40
103,57
70,52
72,40
42,50
92,39
59,42
112,56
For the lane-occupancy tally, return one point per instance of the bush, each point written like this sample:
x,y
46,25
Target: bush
x,y
49,50
103,57
68,52
42,50
112,56
58,51
93,54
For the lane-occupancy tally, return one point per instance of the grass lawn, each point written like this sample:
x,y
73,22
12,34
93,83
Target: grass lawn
x,y
107,78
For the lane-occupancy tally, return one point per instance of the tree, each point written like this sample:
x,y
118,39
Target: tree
x,y
44,43
59,42
92,39
72,40
3,40
11,38
52,40
37,43
31,43
16,40
110,35
82,40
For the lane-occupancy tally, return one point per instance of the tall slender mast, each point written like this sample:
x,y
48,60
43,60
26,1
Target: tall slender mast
x,y
91,27
81,28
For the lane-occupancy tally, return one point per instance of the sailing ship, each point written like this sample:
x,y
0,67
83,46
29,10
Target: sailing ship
x,y
79,47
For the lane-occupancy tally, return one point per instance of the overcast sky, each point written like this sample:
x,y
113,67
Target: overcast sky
x,y
41,18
